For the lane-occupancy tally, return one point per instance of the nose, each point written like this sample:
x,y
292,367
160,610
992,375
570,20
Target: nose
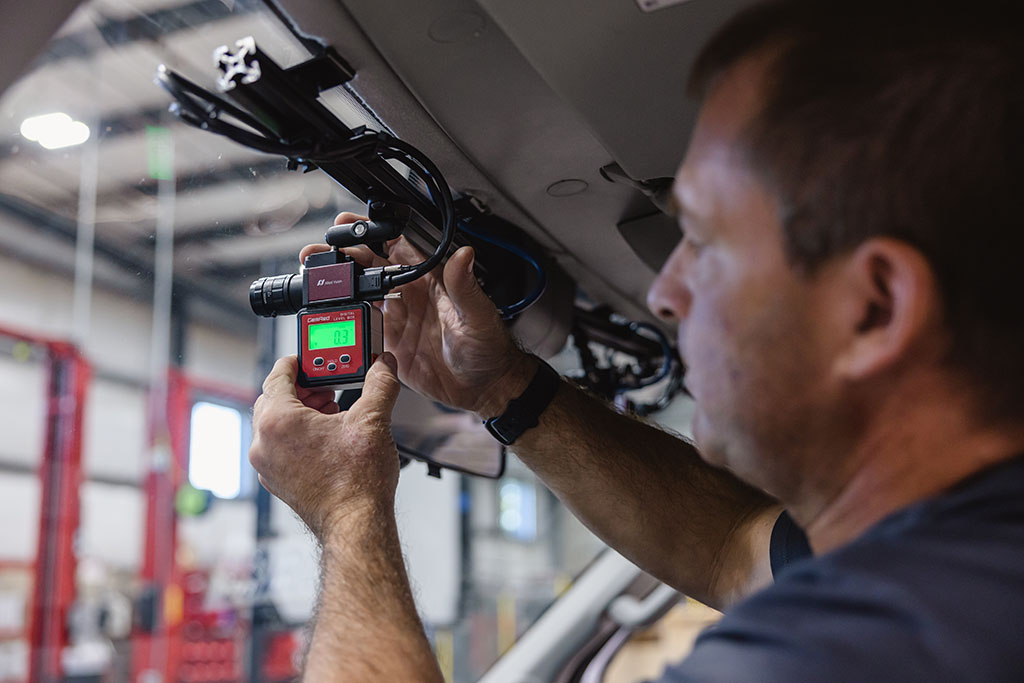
x,y
669,298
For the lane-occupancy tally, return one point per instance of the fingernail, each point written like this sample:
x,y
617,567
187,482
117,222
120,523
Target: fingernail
x,y
389,359
472,258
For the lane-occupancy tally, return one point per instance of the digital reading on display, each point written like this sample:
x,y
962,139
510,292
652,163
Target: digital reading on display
x,y
330,335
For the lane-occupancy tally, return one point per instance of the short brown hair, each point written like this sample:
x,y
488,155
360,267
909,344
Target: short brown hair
x,y
901,118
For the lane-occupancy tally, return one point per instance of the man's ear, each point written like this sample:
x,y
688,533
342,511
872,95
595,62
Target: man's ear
x,y
891,307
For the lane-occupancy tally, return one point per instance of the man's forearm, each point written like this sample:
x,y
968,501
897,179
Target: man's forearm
x,y
650,496
367,628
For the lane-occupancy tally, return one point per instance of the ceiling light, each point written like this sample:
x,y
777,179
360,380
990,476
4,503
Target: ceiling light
x,y
54,131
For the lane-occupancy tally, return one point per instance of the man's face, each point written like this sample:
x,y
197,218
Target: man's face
x,y
746,319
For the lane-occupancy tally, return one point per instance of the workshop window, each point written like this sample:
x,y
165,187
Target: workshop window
x,y
517,510
216,449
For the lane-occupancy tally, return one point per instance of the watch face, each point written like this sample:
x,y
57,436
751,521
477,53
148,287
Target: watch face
x,y
499,434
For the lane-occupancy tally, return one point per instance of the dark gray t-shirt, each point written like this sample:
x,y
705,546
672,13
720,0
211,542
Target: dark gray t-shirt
x,y
934,592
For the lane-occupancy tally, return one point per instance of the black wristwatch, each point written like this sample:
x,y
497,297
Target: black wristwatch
x,y
524,411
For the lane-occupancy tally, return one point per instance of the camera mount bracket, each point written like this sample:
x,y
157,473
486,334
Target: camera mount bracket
x,y
280,113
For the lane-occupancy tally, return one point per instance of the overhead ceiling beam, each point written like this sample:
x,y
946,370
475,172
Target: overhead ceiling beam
x,y
151,26
66,229
225,230
248,171
206,179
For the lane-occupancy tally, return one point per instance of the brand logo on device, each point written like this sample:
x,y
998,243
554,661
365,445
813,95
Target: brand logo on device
x,y
318,319
331,282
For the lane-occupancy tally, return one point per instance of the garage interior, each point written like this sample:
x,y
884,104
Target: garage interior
x,y
138,544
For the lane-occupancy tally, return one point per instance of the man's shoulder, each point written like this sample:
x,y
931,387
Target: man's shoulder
x,y
921,612
928,594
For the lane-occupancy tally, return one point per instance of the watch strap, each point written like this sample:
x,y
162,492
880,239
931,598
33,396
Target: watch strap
x,y
524,411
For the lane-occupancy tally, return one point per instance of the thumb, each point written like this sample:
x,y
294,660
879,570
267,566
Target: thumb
x,y
281,380
470,302
380,389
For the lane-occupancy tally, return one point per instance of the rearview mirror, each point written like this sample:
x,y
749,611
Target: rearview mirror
x,y
445,438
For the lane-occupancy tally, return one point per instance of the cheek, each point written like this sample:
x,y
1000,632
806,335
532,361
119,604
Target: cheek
x,y
707,340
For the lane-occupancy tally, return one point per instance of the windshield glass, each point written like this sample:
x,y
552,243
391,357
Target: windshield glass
x,y
129,360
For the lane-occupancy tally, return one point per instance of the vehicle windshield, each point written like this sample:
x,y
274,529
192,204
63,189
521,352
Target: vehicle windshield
x,y
129,360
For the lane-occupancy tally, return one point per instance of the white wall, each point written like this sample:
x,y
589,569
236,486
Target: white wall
x,y
19,507
22,410
115,432
115,424
120,329
427,510
216,356
112,525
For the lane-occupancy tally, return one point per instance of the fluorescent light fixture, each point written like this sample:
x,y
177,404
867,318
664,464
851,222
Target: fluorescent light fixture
x,y
54,131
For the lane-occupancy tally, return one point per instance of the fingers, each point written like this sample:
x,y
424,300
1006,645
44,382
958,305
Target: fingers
x,y
362,255
312,249
318,399
380,390
470,302
402,251
281,380
349,217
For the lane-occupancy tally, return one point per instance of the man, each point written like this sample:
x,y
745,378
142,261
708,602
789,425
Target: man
x,y
851,206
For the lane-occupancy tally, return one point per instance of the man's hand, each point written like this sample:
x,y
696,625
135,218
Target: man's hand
x,y
324,463
338,471
447,335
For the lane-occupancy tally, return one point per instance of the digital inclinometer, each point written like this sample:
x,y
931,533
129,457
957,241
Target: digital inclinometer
x,y
340,332
338,345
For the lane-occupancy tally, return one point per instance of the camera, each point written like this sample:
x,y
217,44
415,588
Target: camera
x,y
340,333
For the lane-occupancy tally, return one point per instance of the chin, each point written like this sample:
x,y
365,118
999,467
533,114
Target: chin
x,y
710,449
716,450
713,456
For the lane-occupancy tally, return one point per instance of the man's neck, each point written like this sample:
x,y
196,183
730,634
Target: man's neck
x,y
905,461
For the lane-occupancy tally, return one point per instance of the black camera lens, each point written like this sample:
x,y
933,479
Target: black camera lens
x,y
279,294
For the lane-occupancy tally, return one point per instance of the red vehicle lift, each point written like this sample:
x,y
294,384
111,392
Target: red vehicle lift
x,y
60,475
156,639
158,642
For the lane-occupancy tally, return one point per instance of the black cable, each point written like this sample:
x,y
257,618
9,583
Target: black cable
x,y
252,140
191,110
673,387
182,89
202,109
388,147
440,195
666,350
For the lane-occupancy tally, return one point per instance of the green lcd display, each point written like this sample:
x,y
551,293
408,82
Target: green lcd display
x,y
330,335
